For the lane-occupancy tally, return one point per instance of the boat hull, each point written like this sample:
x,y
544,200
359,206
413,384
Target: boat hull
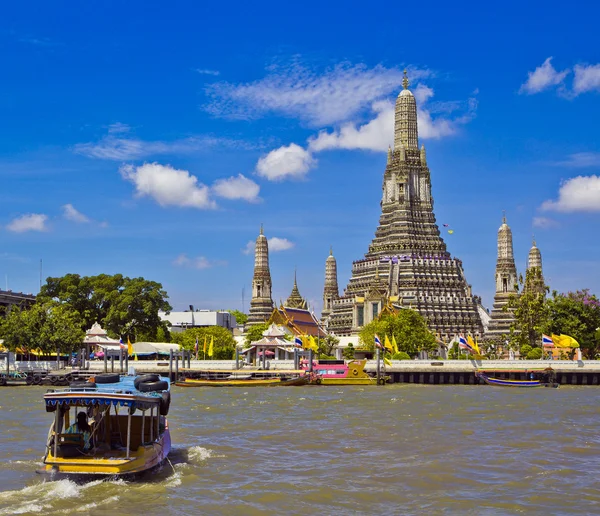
x,y
145,458
229,383
348,381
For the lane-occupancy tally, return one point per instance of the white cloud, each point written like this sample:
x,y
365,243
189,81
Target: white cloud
x,y
334,96
580,193
378,133
70,213
199,262
291,161
168,186
544,223
542,78
205,71
28,222
580,160
587,78
277,244
118,128
239,187
123,149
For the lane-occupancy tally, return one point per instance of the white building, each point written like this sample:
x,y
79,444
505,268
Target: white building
x,y
198,319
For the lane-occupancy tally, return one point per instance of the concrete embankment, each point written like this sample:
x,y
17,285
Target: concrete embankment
x,y
585,372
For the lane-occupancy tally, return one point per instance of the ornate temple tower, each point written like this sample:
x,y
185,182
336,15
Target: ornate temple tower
x,y
295,300
407,263
534,260
261,305
506,279
331,291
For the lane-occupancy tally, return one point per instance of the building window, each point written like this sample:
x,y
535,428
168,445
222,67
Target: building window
x,y
504,285
375,310
360,315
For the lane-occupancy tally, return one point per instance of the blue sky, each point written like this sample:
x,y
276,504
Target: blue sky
x,y
153,139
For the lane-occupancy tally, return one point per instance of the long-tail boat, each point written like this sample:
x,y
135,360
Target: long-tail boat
x,y
126,431
338,372
544,379
239,378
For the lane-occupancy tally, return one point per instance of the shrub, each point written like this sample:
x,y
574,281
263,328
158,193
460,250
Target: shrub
x,y
525,350
401,356
534,354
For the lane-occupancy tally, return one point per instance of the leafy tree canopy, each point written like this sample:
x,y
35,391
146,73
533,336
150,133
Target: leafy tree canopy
x,y
45,326
123,306
240,317
576,314
255,332
407,326
223,347
528,304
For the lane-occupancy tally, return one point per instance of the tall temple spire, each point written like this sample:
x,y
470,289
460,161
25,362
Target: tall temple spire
x,y
506,279
405,119
261,305
407,262
534,261
331,291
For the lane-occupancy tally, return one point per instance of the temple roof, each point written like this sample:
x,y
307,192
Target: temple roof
x,y
299,320
296,300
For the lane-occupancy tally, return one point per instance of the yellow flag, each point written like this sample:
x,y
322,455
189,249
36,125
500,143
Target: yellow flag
x,y
305,342
205,344
387,361
129,346
387,344
564,341
313,344
473,344
210,348
477,350
394,345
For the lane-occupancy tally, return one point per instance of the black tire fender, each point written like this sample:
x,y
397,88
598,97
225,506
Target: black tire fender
x,y
107,378
165,403
160,385
145,378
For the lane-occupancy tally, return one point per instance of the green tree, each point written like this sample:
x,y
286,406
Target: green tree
x,y
122,305
576,314
223,347
401,356
18,330
240,317
407,326
530,310
348,352
60,328
255,332
327,345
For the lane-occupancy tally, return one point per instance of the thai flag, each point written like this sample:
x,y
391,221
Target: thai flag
x,y
462,342
378,342
121,345
298,341
547,341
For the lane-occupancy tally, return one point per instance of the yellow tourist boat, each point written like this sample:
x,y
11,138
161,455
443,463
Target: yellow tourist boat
x,y
115,425
338,372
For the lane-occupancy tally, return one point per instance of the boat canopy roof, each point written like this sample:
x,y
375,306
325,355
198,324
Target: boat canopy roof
x,y
122,393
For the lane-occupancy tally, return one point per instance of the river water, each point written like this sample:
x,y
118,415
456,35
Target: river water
x,y
398,449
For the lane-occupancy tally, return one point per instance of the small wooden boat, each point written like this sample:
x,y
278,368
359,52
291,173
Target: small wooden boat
x,y
545,381
250,382
128,429
242,378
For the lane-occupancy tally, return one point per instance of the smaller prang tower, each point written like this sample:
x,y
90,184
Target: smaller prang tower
x,y
506,279
296,300
331,291
534,261
261,305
